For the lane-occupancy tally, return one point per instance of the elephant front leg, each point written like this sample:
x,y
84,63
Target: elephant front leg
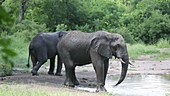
x,y
100,68
106,66
100,74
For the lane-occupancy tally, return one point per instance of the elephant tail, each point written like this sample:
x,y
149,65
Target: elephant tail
x,y
28,64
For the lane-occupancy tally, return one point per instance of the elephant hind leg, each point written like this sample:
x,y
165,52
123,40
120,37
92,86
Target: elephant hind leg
x,y
75,81
38,65
71,79
52,66
59,66
34,60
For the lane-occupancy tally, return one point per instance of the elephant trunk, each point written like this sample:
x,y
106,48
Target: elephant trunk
x,y
124,69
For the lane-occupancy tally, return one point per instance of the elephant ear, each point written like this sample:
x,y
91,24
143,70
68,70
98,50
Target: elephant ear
x,y
61,34
102,46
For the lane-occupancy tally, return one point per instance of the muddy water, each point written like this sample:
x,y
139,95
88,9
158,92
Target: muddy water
x,y
138,85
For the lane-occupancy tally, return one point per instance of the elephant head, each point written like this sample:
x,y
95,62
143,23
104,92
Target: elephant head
x,y
110,45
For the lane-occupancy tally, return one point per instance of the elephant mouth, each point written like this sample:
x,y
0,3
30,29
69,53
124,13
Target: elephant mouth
x,y
120,59
123,62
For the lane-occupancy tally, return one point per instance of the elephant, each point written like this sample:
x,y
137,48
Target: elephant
x,y
79,48
43,47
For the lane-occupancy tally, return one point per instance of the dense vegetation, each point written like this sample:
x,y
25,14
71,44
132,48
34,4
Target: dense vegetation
x,y
144,21
138,20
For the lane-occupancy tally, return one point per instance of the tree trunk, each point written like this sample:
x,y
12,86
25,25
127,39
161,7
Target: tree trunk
x,y
125,2
1,2
22,10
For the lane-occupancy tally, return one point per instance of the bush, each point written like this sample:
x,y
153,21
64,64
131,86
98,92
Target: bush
x,y
5,70
85,28
27,29
61,27
126,35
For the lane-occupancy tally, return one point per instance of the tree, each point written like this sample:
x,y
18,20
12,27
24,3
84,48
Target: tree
x,y
6,52
23,8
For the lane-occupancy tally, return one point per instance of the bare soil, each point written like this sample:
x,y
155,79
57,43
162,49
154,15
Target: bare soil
x,y
86,74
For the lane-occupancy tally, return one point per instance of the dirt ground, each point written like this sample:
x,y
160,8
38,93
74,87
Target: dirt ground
x,y
86,74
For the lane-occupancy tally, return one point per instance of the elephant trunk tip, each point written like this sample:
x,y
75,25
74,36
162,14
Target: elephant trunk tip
x,y
117,84
28,65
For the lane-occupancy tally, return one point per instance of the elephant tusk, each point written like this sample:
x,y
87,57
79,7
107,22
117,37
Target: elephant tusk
x,y
131,64
121,60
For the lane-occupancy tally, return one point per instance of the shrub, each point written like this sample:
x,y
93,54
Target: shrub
x,y
27,29
61,27
85,28
5,70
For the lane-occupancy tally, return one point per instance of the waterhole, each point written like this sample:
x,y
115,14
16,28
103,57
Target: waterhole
x,y
137,85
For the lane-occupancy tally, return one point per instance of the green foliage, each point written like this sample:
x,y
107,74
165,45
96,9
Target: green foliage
x,y
6,52
163,43
61,27
162,55
85,28
147,22
34,90
21,48
137,20
5,20
35,11
5,70
136,50
27,30
12,8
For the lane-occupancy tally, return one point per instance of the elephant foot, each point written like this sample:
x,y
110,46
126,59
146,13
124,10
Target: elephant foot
x,y
101,89
76,82
69,84
34,73
50,73
58,74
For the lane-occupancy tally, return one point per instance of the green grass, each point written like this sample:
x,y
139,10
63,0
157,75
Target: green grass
x,y
163,43
162,55
137,50
37,90
168,94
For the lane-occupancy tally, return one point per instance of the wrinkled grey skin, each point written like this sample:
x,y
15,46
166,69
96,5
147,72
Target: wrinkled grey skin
x,y
78,48
43,47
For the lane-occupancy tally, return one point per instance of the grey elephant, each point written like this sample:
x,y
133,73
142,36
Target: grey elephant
x,y
43,47
79,48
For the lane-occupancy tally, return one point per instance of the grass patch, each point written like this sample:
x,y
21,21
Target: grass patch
x,y
163,43
168,94
166,76
37,90
141,49
162,55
